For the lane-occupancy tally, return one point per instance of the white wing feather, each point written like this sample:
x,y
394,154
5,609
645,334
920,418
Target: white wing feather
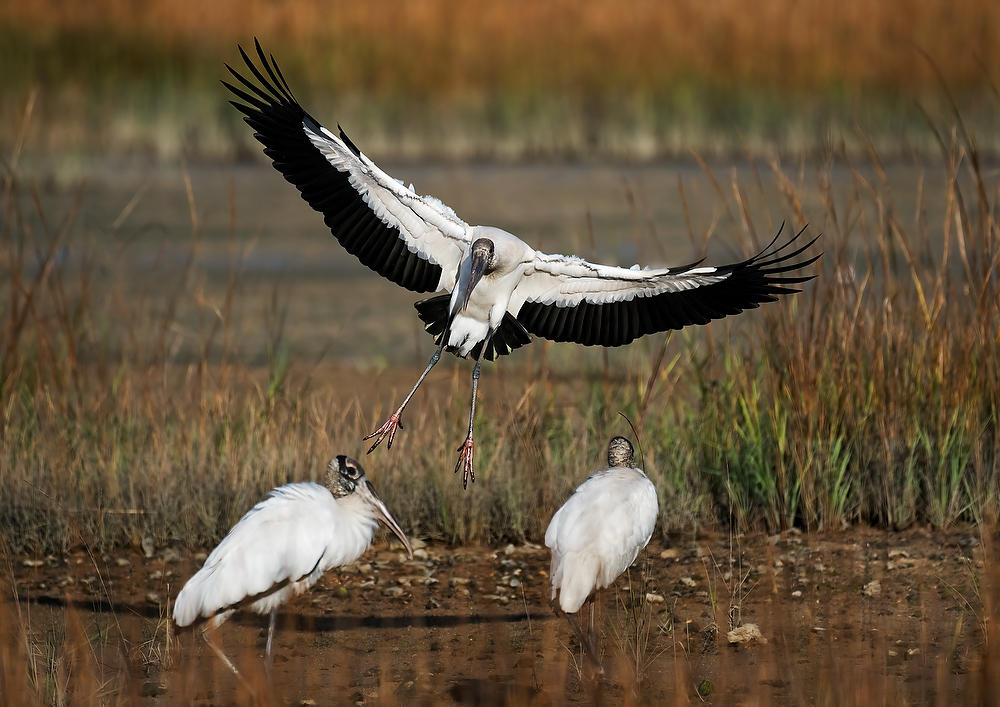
x,y
427,225
568,280
280,539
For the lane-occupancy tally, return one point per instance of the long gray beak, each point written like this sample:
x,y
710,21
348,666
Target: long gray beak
x,y
383,514
477,266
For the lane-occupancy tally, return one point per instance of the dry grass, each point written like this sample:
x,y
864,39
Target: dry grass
x,y
869,398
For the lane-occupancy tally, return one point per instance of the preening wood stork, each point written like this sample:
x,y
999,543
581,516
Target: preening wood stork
x,y
282,546
500,290
598,533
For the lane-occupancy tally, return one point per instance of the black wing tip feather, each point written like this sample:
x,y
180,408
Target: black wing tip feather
x,y
283,127
347,141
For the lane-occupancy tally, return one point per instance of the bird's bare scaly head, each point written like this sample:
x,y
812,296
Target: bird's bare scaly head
x,y
620,452
483,249
343,475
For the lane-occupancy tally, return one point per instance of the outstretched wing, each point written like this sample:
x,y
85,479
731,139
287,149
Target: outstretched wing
x,y
415,241
569,299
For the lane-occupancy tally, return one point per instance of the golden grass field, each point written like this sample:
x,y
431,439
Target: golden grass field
x,y
509,80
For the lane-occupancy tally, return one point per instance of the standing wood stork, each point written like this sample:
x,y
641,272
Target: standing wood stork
x,y
499,289
598,533
282,546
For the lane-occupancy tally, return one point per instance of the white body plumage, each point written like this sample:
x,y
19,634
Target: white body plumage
x,y
282,546
279,549
599,532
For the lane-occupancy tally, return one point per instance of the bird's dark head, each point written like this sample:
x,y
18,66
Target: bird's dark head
x,y
620,452
343,475
347,482
483,251
482,261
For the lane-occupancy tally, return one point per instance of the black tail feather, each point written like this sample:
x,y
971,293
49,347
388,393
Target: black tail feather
x,y
511,334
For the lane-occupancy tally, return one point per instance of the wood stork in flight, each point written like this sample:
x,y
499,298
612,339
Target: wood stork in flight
x,y
598,533
499,290
282,546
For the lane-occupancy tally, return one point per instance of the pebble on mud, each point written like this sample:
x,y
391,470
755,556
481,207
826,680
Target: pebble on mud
x,y
747,633
654,598
688,581
873,588
670,553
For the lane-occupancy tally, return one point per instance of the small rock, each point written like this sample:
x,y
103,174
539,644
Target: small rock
x,y
148,548
912,652
200,556
171,555
670,553
509,550
156,574
688,582
459,581
514,582
393,592
33,563
153,598
797,593
746,633
122,561
873,588
654,598
420,554
898,553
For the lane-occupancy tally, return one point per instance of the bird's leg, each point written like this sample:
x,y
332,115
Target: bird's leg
x,y
389,428
206,633
466,450
593,610
270,635
587,643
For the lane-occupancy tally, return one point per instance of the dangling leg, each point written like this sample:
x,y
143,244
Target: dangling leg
x,y
389,428
466,450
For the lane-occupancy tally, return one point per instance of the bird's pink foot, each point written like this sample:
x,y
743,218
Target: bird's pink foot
x,y
386,430
466,454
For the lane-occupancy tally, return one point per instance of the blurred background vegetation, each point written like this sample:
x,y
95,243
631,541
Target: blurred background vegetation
x,y
514,79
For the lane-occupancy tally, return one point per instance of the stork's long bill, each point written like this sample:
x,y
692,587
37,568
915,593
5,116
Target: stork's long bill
x,y
478,262
504,290
367,491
